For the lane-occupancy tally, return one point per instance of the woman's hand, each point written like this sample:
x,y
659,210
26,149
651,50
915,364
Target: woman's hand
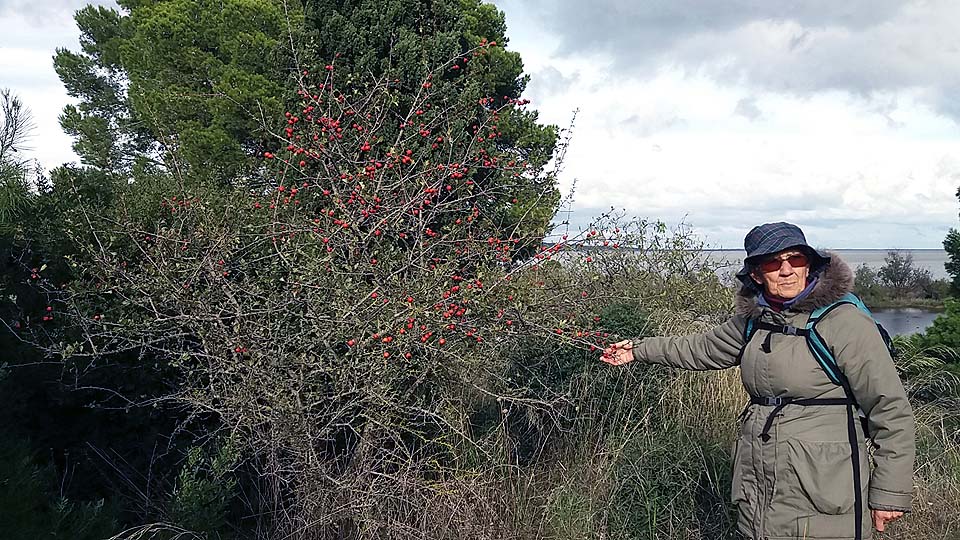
x,y
619,353
882,517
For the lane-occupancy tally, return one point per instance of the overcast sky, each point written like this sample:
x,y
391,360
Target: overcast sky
x,y
842,117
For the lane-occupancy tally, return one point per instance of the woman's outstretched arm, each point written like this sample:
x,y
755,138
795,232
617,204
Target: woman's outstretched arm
x,y
717,349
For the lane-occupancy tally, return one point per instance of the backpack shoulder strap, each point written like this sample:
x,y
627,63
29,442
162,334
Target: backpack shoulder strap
x,y
855,300
851,298
818,346
749,329
822,311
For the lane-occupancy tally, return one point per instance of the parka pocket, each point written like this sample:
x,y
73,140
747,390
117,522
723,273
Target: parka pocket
x,y
823,526
823,472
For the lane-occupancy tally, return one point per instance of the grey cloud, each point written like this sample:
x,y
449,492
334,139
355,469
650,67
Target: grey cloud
x,y
44,13
649,124
747,108
859,46
550,81
650,26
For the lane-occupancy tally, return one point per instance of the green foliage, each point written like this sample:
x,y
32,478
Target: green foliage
x,y
195,88
671,482
32,507
937,289
184,85
952,246
899,274
404,41
16,125
945,330
898,282
931,369
205,488
866,283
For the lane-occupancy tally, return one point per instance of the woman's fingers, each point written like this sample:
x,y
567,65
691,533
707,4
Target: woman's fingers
x,y
619,353
882,517
878,522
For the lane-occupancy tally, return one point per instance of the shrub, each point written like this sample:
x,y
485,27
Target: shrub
x,y
945,330
900,275
349,316
33,508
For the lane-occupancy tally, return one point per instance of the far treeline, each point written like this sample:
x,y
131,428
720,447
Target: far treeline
x,y
296,288
900,283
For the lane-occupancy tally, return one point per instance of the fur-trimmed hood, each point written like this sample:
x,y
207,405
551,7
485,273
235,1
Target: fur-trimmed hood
x,y
836,280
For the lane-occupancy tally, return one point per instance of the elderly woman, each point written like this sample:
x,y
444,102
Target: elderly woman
x,y
800,463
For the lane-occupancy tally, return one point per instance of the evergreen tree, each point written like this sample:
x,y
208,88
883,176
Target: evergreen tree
x,y
192,89
952,246
186,86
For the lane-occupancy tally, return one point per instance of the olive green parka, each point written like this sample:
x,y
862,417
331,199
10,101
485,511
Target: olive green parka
x,y
799,482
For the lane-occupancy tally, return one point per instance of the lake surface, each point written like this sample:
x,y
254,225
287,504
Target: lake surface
x,y
929,259
904,321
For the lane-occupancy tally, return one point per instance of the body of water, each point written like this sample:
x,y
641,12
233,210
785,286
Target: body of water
x,y
905,321
929,259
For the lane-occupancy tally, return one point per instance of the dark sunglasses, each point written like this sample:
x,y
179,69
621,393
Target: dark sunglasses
x,y
796,261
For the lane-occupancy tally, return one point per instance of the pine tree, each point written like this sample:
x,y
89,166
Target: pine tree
x,y
185,87
952,246
193,89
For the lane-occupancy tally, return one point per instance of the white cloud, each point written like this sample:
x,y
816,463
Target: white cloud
x,y
46,13
32,31
751,117
860,46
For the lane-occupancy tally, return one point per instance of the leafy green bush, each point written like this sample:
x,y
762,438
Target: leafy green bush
x,y
898,282
205,489
945,330
33,508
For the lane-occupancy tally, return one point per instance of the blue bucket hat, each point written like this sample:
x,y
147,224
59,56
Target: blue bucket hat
x,y
771,238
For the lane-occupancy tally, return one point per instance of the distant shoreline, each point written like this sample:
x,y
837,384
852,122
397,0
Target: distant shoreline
x,y
932,306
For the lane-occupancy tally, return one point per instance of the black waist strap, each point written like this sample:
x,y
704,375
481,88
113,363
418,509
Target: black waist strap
x,y
779,403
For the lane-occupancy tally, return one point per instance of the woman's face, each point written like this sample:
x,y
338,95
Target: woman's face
x,y
785,281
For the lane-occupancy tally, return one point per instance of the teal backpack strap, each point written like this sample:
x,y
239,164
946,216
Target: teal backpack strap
x,y
749,329
855,300
818,346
